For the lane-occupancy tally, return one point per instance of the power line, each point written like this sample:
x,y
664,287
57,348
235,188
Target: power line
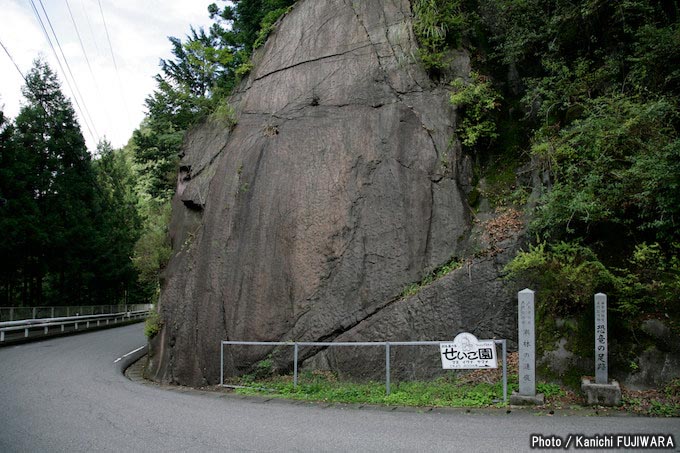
x,y
89,25
13,62
108,38
120,85
49,41
87,60
40,101
75,83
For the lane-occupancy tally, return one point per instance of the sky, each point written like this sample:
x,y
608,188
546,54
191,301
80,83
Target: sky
x,y
111,101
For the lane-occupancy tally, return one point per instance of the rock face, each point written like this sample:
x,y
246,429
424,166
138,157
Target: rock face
x,y
339,186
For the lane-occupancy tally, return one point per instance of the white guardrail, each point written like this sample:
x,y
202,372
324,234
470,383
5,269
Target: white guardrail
x,y
20,313
76,323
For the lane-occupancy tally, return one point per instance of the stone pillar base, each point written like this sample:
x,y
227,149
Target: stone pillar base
x,y
601,394
526,400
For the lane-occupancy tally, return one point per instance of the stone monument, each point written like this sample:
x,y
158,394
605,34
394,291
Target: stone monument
x,y
601,392
526,339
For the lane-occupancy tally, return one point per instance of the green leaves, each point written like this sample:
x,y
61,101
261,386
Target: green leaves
x,y
69,222
651,281
476,101
617,163
190,84
567,274
152,251
153,324
439,25
452,265
267,25
157,145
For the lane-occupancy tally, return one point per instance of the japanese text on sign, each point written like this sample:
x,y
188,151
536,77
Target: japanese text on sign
x,y
467,352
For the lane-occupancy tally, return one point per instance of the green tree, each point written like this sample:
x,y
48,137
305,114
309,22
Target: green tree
x,y
152,250
119,225
239,26
200,72
18,215
54,193
157,145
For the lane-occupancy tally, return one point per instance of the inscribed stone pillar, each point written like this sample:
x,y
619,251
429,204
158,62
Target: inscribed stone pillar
x,y
601,362
527,343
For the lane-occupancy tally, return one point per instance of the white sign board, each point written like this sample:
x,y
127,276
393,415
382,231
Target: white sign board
x,y
467,352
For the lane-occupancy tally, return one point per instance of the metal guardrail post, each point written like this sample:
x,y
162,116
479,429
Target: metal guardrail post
x,y
387,345
222,363
46,323
505,372
387,368
295,365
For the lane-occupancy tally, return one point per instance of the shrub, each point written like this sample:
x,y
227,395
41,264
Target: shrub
x,y
224,113
153,324
244,70
267,25
438,25
567,274
617,164
477,101
651,282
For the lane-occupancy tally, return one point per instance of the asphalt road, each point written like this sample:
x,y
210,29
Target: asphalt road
x,y
67,394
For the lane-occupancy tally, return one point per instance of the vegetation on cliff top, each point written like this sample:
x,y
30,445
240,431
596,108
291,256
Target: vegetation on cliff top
x,y
588,104
589,96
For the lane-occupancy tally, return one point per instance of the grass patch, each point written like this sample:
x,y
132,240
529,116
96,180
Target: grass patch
x,y
224,113
267,25
324,386
471,389
436,274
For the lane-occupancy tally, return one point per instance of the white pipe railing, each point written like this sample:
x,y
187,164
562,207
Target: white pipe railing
x,y
386,344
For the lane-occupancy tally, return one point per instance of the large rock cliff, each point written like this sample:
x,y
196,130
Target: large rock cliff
x,y
339,186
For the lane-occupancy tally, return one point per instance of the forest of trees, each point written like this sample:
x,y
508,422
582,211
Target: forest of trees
x,y
69,223
584,92
81,230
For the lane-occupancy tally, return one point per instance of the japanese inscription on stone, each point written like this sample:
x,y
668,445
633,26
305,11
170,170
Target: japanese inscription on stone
x,y
527,343
601,364
467,352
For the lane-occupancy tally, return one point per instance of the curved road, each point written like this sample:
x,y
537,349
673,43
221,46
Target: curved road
x,y
67,394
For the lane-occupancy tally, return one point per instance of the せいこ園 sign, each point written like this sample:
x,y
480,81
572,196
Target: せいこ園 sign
x,y
467,352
